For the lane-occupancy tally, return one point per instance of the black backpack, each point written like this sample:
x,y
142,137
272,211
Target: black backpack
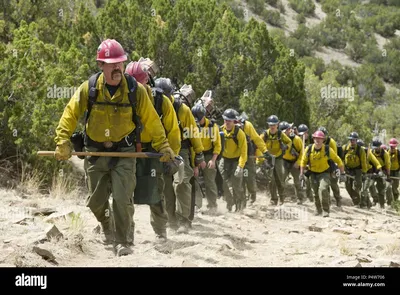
x,y
345,150
132,86
332,165
267,136
250,145
78,138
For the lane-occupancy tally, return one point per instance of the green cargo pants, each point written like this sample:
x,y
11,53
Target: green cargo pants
x,y
378,191
365,200
335,187
233,187
354,186
210,183
392,191
102,181
158,212
178,196
249,179
320,183
295,172
277,182
309,194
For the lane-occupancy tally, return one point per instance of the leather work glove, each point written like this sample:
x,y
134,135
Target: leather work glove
x,y
199,160
63,151
267,155
239,172
168,154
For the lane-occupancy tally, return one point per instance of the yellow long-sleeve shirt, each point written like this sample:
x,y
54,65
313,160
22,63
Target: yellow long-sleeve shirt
x,y
250,131
383,160
332,144
352,160
319,160
169,121
210,137
107,122
273,144
372,160
297,147
233,150
394,159
189,127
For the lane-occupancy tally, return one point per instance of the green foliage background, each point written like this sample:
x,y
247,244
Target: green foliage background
x,y
207,43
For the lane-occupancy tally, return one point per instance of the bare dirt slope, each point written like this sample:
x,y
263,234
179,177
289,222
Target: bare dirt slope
x,y
263,235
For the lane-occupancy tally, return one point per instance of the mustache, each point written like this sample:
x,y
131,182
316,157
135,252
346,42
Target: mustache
x,y
116,72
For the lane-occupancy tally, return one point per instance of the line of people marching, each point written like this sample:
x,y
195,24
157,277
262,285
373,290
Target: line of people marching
x,y
126,110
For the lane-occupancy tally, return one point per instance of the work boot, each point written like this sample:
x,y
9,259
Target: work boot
x,y
318,213
281,200
161,237
123,250
183,227
273,202
325,214
107,238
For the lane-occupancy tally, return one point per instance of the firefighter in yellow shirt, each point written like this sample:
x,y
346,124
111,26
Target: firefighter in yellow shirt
x,y
334,180
303,134
211,140
374,170
355,162
392,192
111,126
316,157
158,214
277,143
384,159
233,160
254,142
292,159
178,195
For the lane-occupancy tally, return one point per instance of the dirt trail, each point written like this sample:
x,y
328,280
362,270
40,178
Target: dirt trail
x,y
262,235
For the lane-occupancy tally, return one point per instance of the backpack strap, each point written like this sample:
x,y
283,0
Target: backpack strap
x,y
327,149
158,100
132,87
93,93
309,149
235,133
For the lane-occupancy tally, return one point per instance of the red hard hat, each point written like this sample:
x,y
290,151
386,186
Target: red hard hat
x,y
318,134
135,70
393,142
110,51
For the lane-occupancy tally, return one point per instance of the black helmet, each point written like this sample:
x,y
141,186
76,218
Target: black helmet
x,y
323,129
302,129
284,125
230,115
360,142
272,120
165,84
376,143
353,135
198,112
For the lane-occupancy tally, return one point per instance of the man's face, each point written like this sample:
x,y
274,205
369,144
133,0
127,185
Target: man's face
x,y
273,128
229,124
288,131
319,141
353,142
113,72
